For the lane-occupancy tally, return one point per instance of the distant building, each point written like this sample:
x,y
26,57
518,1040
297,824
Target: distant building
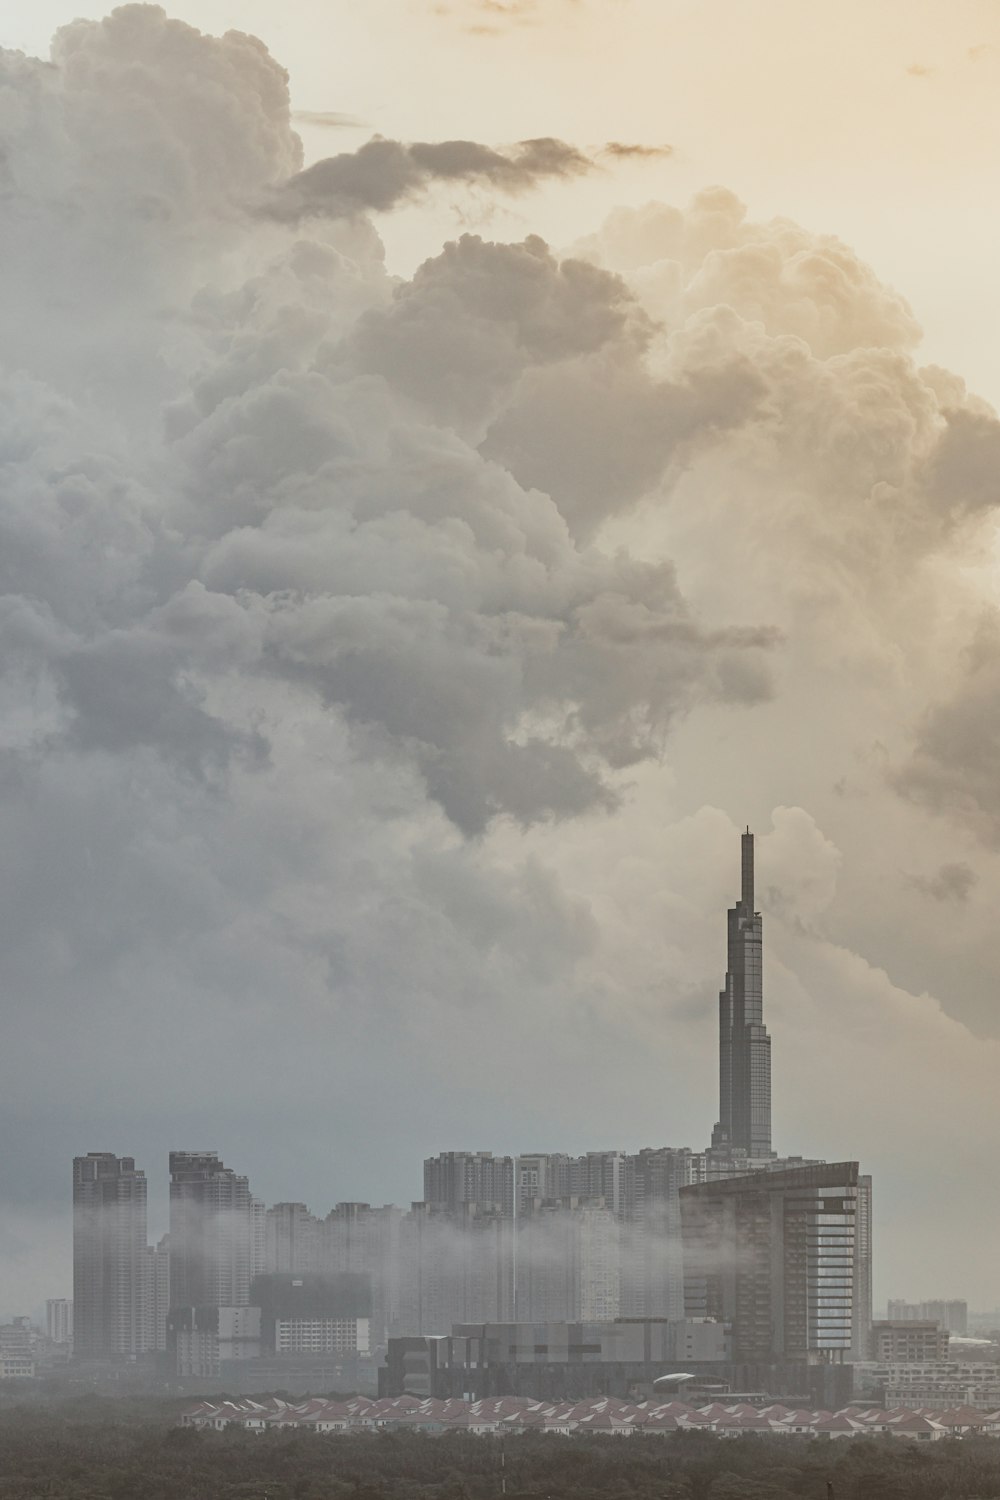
x,y
568,1262
19,1337
59,1320
213,1232
905,1341
203,1339
953,1315
363,1238
557,1360
314,1314
455,1265
295,1240
744,1045
458,1177
109,1257
773,1255
935,1383
157,1294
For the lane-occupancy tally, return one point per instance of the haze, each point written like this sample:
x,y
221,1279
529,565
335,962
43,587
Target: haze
x,y
396,640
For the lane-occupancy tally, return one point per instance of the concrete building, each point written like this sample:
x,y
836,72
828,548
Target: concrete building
x,y
363,1238
454,1266
744,1045
295,1240
213,1232
203,1339
942,1383
109,1257
905,1341
773,1255
952,1315
455,1178
568,1262
59,1320
314,1313
156,1294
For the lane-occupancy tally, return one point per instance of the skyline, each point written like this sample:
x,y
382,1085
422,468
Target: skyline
x,y
395,648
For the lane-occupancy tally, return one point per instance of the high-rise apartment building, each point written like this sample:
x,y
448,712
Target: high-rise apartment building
x,y
457,1177
213,1232
652,1269
109,1257
59,1320
568,1261
294,1240
744,1045
157,1293
364,1238
773,1254
952,1315
451,1260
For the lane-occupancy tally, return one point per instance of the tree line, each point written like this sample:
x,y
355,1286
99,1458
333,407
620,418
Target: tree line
x,y
91,1449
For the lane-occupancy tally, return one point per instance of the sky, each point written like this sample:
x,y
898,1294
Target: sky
x,y
420,561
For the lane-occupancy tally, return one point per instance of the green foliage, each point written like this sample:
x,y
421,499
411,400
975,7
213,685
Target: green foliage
x,y
91,1449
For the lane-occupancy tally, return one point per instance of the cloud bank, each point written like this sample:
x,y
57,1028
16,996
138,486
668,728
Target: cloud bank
x,y
378,652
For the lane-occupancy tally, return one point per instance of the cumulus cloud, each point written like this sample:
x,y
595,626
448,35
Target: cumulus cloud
x,y
378,651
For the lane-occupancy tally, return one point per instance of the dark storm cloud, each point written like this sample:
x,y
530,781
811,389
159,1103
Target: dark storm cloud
x,y
384,173
950,882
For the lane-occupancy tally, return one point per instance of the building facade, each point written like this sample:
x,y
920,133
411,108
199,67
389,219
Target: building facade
x,y
109,1257
907,1341
59,1320
455,1178
952,1315
213,1232
773,1255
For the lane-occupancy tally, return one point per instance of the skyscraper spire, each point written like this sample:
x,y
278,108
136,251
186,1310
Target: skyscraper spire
x,y
744,1045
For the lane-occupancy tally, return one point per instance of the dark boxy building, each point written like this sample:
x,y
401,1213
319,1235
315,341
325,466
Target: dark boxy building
x,y
774,1256
309,1298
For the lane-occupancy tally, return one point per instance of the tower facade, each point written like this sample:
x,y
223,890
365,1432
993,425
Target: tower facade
x,y
744,1045
109,1257
212,1232
775,1255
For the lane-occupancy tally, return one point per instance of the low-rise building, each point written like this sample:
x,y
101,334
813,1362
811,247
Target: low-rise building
x,y
905,1341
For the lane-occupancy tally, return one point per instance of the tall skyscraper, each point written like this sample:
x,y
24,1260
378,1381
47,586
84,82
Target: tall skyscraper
x,y
109,1257
744,1045
157,1293
213,1229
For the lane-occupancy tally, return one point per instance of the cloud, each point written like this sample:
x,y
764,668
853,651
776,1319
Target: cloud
x,y
382,655
626,151
951,882
327,119
383,173
950,768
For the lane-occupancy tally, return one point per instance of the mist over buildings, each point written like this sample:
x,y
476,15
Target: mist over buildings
x,y
389,664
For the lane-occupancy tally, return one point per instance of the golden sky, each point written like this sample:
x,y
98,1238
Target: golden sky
x,y
875,122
